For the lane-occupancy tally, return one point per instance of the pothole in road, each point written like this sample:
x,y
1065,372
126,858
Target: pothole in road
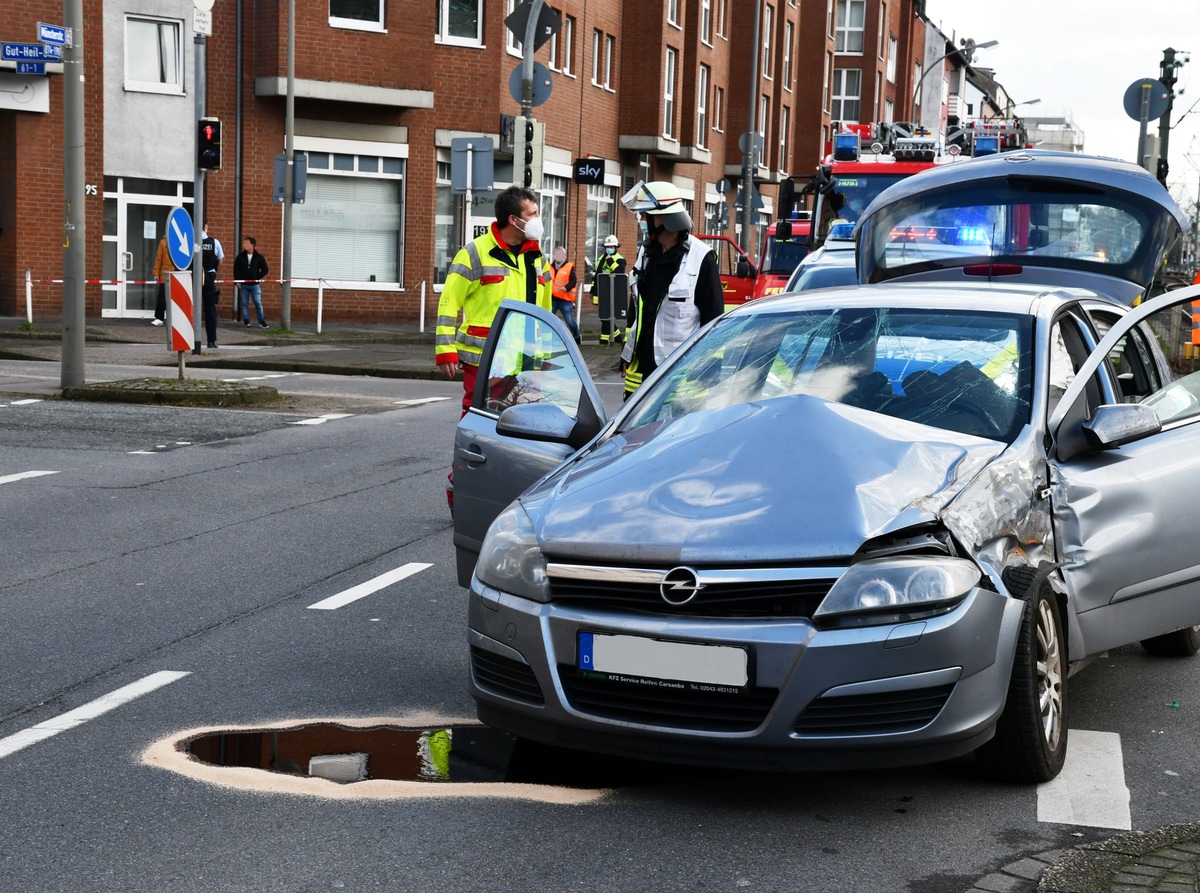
x,y
355,759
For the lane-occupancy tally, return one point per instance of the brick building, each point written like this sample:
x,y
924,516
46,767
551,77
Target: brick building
x,y
653,90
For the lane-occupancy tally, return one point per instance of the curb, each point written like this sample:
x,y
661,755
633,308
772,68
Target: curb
x,y
174,392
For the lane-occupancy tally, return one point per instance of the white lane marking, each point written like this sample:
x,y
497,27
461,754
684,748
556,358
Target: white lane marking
x,y
328,417
8,479
77,717
1091,788
418,402
25,402
263,377
362,590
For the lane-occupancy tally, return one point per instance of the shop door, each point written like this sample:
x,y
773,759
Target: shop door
x,y
133,226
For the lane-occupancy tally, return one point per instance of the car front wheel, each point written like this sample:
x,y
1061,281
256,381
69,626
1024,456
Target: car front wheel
x,y
1030,744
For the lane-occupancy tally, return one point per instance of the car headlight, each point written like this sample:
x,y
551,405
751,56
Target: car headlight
x,y
510,559
888,590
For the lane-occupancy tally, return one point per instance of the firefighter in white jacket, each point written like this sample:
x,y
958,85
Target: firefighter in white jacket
x,y
676,286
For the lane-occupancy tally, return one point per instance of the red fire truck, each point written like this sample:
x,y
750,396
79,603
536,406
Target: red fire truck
x,y
743,280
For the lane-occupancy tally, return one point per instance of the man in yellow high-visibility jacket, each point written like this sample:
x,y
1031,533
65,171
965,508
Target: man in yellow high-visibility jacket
x,y
506,262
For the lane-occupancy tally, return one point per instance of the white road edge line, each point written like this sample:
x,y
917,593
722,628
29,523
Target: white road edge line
x,y
1091,788
328,417
8,479
77,717
362,590
420,400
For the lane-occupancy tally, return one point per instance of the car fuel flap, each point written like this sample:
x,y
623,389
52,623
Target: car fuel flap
x,y
789,479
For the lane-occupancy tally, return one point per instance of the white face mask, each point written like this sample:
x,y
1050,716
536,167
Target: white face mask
x,y
533,230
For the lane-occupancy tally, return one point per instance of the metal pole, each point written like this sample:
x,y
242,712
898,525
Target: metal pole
x,y
198,193
74,319
749,157
1144,119
237,150
1168,79
289,151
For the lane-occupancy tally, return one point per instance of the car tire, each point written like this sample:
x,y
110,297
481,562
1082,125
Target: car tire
x,y
1180,643
1030,744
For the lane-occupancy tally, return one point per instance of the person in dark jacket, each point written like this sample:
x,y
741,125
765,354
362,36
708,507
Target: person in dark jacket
x,y
249,268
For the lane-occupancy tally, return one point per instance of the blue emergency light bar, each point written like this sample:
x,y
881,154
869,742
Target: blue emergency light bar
x,y
845,147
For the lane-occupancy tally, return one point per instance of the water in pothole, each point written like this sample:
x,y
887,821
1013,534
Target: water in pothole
x,y
467,753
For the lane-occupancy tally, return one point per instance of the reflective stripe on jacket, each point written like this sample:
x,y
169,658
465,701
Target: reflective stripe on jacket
x,y
483,273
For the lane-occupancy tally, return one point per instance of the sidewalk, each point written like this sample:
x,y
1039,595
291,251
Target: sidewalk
x,y
1163,861
388,351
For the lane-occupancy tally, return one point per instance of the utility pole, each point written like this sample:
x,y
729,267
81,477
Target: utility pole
x,y
198,192
1167,76
289,151
74,318
750,150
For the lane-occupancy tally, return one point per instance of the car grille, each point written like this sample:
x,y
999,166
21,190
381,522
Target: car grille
x,y
741,599
505,676
702,711
873,714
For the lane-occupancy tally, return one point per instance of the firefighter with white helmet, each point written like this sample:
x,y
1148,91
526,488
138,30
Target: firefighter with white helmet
x,y
676,284
609,262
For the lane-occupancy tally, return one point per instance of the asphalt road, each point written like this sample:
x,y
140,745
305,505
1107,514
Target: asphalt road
x,y
197,541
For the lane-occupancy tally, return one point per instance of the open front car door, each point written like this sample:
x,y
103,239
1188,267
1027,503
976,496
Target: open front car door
x,y
534,405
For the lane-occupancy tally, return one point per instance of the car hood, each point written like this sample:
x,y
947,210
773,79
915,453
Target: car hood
x,y
788,479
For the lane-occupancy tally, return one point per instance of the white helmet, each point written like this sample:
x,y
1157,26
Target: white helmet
x,y
661,199
611,241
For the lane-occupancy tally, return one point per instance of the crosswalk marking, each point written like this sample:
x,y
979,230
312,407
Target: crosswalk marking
x,y
77,717
362,590
1091,788
8,479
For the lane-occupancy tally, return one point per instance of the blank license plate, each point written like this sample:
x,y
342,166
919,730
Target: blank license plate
x,y
634,658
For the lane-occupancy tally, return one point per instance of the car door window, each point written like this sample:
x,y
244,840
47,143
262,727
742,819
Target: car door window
x,y
1176,398
1133,359
529,364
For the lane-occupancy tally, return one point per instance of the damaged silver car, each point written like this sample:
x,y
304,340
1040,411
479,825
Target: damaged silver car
x,y
859,527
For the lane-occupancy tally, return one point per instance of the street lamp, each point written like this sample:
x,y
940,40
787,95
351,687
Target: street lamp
x,y
966,48
1008,110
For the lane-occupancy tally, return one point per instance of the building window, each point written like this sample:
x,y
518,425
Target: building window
x,y
673,12
552,205
851,21
562,47
768,22
603,49
893,44
153,55
350,225
917,78
828,85
364,15
702,107
764,125
460,22
510,40
847,89
447,233
601,221
889,111
722,18
789,37
878,96
719,110
882,27
784,126
668,129
706,21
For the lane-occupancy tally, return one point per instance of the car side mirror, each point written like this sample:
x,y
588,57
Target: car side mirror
x,y
1119,423
548,423
744,270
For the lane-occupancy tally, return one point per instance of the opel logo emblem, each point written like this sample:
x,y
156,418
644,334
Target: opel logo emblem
x,y
679,586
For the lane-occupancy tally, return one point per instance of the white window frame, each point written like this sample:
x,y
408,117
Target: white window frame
x,y
602,58
789,38
918,80
882,27
768,70
878,95
723,19
562,44
172,87
673,12
764,124
443,22
893,50
510,40
850,39
706,22
359,24
785,123
703,79
719,110
669,75
841,96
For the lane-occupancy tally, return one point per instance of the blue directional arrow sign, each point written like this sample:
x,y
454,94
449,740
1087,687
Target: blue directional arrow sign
x,y
181,236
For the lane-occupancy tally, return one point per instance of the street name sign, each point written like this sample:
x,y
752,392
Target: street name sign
x,y
30,52
53,34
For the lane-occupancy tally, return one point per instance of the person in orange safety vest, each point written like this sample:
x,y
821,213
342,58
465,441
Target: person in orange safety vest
x,y
565,285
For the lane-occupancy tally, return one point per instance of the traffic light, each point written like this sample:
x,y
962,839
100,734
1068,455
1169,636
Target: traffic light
x,y
529,140
208,144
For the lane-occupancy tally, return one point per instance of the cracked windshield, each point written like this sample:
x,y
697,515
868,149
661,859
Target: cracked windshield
x,y
956,370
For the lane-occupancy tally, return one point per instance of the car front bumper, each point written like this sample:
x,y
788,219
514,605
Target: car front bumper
x,y
889,695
